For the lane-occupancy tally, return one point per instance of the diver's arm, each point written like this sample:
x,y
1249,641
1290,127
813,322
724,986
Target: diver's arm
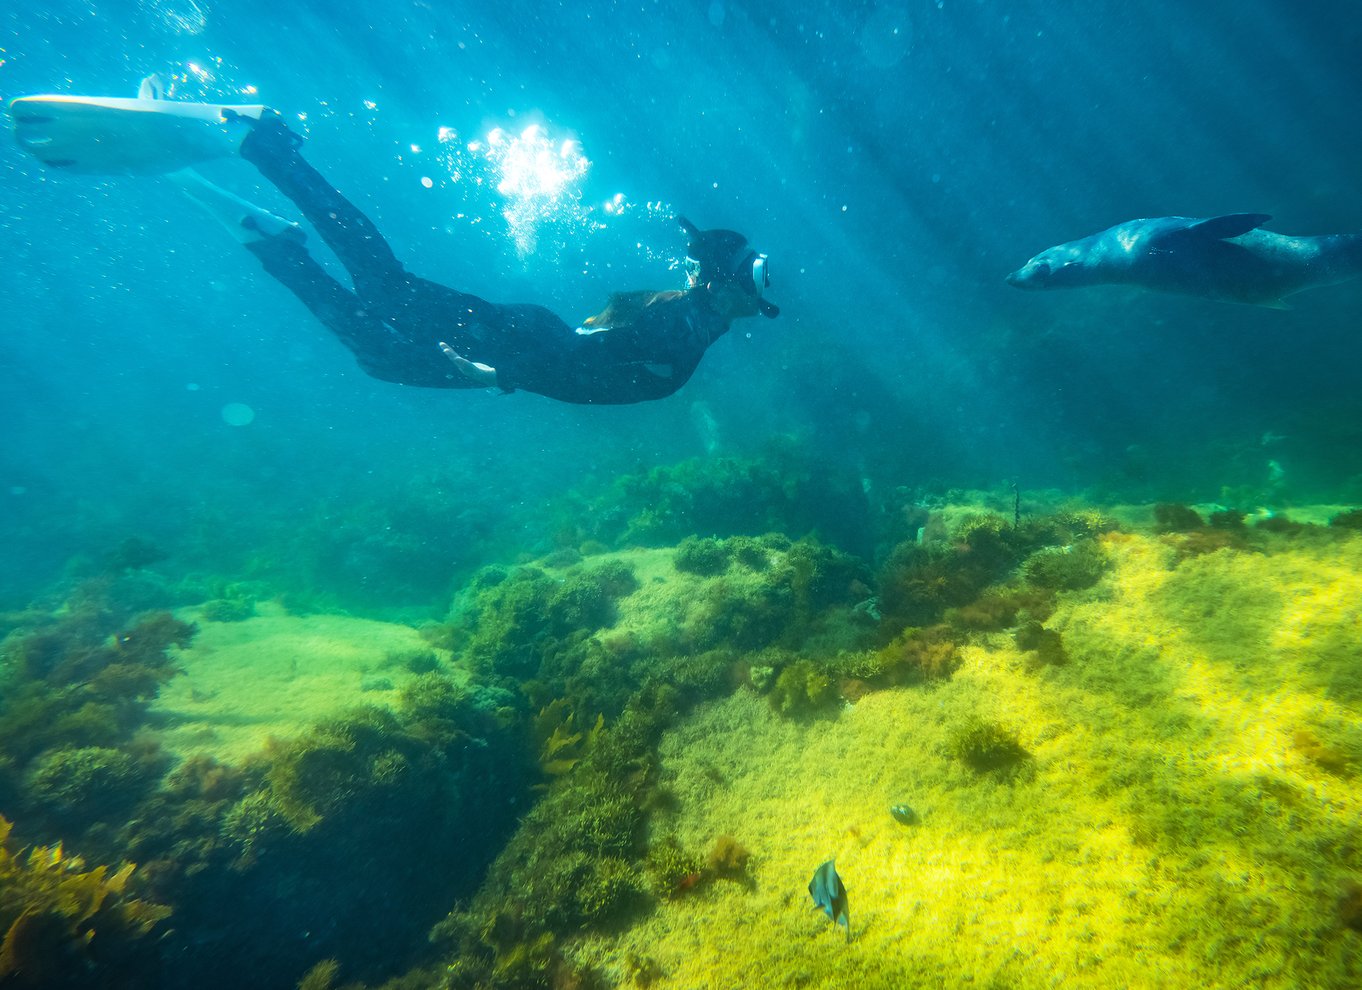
x,y
474,371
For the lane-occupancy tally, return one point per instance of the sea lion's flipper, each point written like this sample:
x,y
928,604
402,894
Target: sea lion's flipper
x,y
1230,225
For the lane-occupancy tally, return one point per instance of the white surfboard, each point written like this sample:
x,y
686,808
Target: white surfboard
x,y
113,135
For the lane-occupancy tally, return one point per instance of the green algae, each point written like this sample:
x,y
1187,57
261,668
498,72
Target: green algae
x,y
1175,811
1150,755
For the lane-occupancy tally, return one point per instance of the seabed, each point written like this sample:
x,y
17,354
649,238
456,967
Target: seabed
x,y
1168,797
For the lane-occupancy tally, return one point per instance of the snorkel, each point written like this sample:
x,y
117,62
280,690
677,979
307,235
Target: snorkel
x,y
724,257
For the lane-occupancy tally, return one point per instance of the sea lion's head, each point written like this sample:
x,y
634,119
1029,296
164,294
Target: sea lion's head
x,y
1054,268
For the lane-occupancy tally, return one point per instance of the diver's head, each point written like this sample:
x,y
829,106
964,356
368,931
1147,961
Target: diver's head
x,y
723,258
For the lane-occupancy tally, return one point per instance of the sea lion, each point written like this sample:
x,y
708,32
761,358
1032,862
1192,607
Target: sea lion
x,y
1227,258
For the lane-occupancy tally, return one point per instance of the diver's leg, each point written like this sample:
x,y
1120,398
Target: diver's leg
x,y
380,352
243,219
421,315
273,149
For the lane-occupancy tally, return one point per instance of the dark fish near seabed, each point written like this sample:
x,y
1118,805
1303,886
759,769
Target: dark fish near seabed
x,y
903,814
829,894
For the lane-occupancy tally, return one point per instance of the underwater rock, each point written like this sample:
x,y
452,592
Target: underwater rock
x,y
1173,517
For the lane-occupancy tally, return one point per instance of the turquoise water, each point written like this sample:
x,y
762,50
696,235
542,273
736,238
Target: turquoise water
x,y
178,429
894,161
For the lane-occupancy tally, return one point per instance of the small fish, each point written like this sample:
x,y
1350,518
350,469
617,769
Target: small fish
x,y
903,814
829,894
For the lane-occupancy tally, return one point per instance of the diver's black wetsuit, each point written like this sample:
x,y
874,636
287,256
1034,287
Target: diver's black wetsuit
x,y
394,321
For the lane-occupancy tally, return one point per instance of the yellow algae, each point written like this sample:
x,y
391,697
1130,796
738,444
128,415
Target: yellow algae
x,y
1186,816
274,675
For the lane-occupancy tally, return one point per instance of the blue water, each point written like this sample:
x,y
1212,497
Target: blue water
x,y
895,160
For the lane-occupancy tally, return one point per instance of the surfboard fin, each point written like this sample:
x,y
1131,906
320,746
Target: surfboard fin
x,y
145,135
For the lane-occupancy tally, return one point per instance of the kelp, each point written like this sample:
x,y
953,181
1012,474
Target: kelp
x,y
66,926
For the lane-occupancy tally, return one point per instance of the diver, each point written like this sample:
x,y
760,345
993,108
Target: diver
x,y
404,329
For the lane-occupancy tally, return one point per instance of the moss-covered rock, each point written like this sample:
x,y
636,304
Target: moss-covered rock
x,y
1068,568
511,621
703,556
94,782
986,747
1173,517
783,492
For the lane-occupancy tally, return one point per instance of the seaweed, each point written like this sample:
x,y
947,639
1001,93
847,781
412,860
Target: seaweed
x,y
1229,519
1071,567
986,747
1329,758
784,602
803,689
343,764
577,862
561,746
706,557
728,859
227,610
1047,644
66,926
1351,519
134,554
915,655
74,697
373,820
1281,524
784,492
513,621
91,782
322,976
1349,904
1210,539
672,869
999,608
919,582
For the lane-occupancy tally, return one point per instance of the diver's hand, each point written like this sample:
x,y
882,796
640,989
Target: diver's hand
x,y
474,371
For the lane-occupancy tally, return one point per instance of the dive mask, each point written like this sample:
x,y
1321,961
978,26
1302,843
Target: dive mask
x,y
725,257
